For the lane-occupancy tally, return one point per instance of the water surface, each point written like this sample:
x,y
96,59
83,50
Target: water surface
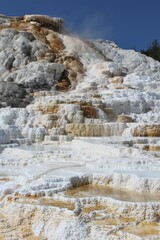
x,y
122,195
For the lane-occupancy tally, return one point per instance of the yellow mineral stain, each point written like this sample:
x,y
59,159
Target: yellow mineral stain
x,y
144,229
107,221
89,209
152,148
126,219
5,179
32,237
58,203
42,201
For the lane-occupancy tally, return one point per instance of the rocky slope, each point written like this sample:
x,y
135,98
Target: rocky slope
x,y
59,92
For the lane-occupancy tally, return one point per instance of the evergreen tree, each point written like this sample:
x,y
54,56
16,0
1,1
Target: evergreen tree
x,y
153,50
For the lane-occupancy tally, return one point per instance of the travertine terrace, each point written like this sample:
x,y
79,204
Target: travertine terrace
x,y
79,136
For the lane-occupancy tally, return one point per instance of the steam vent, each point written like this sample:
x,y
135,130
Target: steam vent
x,y
79,136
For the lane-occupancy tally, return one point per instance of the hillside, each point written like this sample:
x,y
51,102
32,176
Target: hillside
x,y
79,135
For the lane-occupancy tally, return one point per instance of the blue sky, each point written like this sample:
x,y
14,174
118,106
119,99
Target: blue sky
x,y
130,23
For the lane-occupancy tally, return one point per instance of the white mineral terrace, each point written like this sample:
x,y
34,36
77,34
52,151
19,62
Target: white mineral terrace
x,y
105,188
79,136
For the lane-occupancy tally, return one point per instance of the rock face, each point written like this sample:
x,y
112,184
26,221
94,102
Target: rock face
x,y
147,131
28,57
95,130
93,111
55,24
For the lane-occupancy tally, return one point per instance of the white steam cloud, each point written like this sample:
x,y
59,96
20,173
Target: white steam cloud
x,y
94,27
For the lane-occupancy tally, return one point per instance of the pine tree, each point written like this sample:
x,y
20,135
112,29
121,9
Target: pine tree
x,y
153,50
